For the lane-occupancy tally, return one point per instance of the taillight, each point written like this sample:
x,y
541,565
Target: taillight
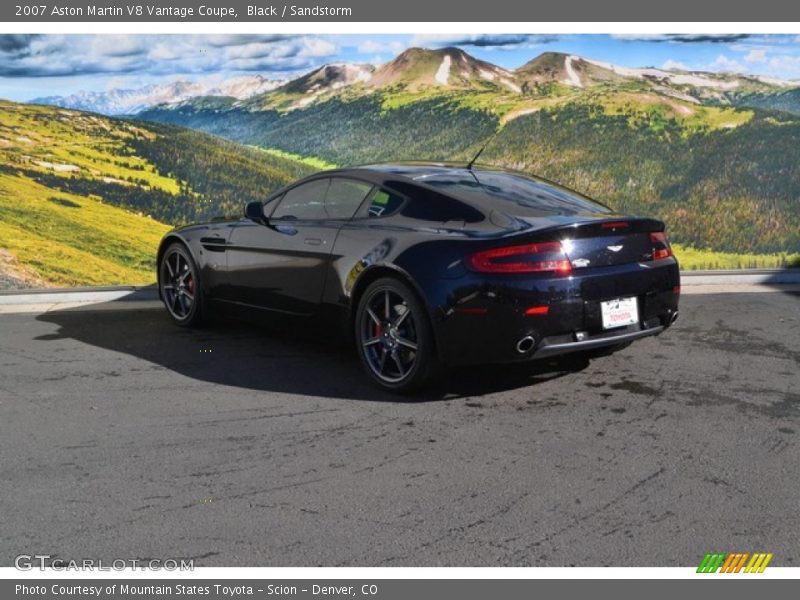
x,y
661,248
545,257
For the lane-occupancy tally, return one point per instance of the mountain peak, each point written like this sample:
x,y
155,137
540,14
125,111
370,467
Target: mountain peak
x,y
443,67
567,69
329,77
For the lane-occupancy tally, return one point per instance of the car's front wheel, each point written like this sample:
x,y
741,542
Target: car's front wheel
x,y
180,286
394,337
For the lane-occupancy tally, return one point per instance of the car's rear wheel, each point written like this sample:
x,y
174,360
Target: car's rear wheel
x,y
180,286
394,337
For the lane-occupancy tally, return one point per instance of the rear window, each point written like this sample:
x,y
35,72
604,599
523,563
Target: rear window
x,y
528,193
430,205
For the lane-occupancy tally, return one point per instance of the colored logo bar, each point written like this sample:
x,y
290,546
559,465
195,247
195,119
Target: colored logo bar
x,y
734,562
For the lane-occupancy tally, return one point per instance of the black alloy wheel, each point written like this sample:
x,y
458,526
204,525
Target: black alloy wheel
x,y
393,336
180,289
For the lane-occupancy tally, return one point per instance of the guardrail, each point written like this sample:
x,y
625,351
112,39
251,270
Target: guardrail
x,y
127,293
742,277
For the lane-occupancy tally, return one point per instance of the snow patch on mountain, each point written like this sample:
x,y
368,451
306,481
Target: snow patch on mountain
x,y
674,77
572,76
443,74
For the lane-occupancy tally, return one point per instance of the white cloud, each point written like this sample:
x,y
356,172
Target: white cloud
x,y
162,51
317,47
675,64
756,55
374,47
377,61
122,82
785,66
728,64
158,55
117,46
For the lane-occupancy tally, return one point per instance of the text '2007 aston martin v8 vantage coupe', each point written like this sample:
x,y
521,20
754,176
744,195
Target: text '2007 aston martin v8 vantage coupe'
x,y
432,264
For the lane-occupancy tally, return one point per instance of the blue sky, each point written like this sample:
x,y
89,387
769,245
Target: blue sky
x,y
40,65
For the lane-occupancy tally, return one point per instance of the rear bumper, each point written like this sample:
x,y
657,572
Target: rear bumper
x,y
555,346
479,319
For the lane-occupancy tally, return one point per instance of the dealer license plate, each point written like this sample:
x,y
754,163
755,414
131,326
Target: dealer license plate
x,y
619,312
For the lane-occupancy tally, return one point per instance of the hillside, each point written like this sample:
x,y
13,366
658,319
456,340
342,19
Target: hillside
x,y
787,101
447,68
697,149
733,189
311,87
84,199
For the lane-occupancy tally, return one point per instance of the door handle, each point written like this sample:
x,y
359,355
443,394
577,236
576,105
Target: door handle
x,y
285,229
313,241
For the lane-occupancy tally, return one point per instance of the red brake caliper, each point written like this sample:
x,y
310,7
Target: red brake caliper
x,y
377,330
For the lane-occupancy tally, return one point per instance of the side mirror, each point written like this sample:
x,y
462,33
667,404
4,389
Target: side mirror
x,y
255,212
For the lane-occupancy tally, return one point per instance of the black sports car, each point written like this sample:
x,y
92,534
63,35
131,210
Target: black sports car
x,y
432,264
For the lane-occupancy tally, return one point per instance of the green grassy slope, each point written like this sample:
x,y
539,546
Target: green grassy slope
x,y
84,199
723,178
348,130
733,189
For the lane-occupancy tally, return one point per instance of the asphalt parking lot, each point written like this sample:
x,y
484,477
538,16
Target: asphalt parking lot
x,y
122,436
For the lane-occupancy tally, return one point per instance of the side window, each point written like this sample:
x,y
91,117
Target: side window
x,y
384,203
344,197
306,201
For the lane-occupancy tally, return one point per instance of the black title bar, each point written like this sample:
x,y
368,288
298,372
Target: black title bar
x,y
393,11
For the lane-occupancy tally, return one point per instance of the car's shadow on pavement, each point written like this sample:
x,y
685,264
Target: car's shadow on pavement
x,y
292,357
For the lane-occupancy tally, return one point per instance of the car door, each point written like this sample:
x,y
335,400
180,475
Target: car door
x,y
282,264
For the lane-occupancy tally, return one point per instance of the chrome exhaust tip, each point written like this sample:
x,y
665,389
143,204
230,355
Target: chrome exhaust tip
x,y
673,318
526,344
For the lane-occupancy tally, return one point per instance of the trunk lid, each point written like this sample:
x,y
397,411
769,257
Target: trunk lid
x,y
601,241
612,242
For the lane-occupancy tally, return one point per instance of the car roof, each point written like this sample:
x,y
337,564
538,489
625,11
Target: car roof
x,y
493,191
425,173
382,172
421,172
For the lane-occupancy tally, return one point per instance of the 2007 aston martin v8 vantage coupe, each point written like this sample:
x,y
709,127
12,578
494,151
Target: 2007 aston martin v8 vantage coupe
x,y
431,264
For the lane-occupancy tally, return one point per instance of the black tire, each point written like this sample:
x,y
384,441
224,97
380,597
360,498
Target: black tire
x,y
396,350
179,284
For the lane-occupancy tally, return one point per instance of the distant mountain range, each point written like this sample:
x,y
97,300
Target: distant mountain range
x,y
132,101
713,154
444,69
